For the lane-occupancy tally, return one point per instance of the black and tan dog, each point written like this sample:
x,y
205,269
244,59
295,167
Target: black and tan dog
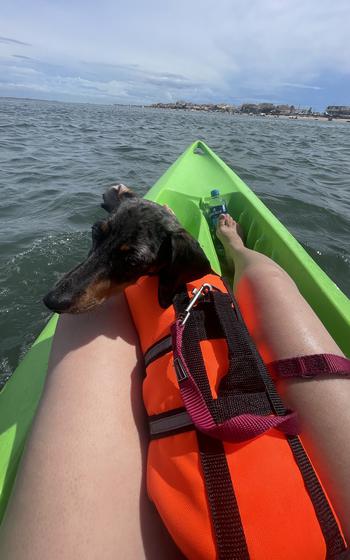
x,y
137,238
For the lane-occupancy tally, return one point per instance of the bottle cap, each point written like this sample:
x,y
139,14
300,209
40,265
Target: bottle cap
x,y
215,192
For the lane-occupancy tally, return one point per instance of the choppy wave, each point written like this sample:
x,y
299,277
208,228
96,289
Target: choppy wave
x,y
56,159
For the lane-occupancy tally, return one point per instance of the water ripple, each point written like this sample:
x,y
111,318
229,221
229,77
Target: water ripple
x,y
56,159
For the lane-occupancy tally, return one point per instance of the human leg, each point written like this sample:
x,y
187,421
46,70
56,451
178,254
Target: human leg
x,y
283,325
79,491
281,321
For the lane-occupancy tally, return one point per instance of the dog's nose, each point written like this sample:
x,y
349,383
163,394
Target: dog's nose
x,y
59,304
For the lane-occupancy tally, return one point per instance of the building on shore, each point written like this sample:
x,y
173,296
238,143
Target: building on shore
x,y
222,107
261,109
267,109
338,111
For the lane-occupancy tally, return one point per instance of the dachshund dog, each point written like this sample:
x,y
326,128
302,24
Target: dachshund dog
x,y
137,238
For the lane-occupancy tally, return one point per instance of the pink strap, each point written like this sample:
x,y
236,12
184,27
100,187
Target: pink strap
x,y
236,429
310,366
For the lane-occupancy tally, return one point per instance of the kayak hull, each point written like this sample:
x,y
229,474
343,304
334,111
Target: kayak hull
x,y
185,187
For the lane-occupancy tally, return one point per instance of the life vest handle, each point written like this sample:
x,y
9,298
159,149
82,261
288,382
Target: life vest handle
x,y
237,428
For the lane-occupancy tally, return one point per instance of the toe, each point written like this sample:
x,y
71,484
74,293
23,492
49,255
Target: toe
x,y
221,219
229,220
220,223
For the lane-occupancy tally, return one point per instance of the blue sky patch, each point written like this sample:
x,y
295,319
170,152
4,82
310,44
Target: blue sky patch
x,y
233,51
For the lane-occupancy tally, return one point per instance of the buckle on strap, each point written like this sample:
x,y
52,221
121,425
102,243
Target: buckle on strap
x,y
180,370
197,293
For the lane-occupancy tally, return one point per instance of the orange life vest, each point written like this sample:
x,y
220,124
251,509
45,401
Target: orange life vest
x,y
266,506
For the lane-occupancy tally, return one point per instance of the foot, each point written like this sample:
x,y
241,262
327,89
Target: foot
x,y
229,232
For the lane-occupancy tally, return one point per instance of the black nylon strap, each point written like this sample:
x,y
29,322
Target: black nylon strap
x,y
276,401
228,529
195,362
194,359
226,519
329,527
243,374
243,379
244,391
332,536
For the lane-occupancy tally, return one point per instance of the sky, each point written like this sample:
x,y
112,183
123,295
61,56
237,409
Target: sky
x,y
141,52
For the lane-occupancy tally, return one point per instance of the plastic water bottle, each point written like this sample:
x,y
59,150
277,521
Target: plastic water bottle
x,y
216,206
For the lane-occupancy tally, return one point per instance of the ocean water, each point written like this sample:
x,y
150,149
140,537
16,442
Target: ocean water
x,y
56,159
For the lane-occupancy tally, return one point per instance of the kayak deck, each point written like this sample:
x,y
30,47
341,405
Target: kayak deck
x,y
185,187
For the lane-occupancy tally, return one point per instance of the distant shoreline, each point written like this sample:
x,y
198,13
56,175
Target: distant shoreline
x,y
275,112
320,118
332,112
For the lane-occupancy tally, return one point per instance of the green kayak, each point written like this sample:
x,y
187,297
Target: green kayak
x,y
185,187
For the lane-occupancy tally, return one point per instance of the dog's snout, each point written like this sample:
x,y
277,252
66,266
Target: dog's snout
x,y
56,303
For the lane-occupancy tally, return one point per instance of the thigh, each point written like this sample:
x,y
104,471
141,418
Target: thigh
x,y
80,490
280,320
283,325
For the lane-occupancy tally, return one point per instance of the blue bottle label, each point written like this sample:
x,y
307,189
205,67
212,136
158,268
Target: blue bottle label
x,y
215,212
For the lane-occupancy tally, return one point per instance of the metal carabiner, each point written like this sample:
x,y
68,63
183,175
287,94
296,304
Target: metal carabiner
x,y
196,295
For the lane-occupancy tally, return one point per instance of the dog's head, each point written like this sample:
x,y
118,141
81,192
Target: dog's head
x,y
137,238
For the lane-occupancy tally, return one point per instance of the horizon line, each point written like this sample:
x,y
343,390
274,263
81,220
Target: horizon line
x,y
155,102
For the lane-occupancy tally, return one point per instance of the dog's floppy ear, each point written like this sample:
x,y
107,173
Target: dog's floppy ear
x,y
113,196
185,261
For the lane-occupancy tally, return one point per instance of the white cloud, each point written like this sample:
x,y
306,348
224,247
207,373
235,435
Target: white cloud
x,y
157,50
23,71
135,86
34,86
300,86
